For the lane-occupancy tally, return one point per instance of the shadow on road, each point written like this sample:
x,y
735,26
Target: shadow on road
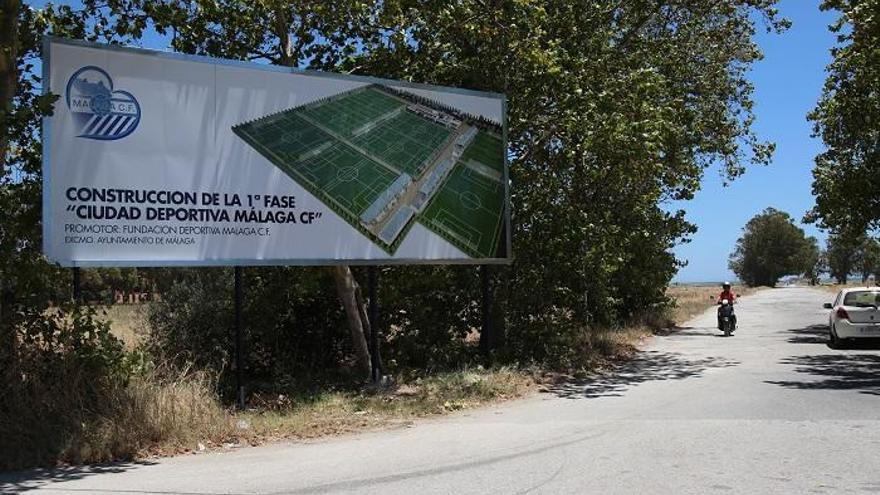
x,y
813,334
646,367
688,332
673,330
860,372
818,334
33,479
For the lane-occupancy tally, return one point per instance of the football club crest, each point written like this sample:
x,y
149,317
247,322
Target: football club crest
x,y
99,110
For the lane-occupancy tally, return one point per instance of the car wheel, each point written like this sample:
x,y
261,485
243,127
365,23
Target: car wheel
x,y
833,339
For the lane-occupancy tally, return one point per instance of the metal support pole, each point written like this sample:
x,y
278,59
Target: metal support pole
x,y
486,331
239,380
7,332
375,354
77,285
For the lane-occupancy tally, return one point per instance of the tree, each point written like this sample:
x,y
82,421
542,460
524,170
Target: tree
x,y
28,283
771,247
842,251
850,253
867,259
642,100
814,261
615,110
846,175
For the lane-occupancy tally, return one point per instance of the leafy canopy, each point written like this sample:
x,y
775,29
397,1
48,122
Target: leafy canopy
x,y
852,253
615,109
772,247
846,176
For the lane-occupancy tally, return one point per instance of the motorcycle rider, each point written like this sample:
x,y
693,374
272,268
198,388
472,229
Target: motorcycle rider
x,y
728,294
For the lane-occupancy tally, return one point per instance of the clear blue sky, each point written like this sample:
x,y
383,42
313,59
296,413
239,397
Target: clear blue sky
x,y
787,84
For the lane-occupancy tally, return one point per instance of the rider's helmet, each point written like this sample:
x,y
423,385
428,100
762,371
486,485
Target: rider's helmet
x,y
725,286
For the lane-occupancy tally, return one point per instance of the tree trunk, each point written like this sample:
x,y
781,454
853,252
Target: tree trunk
x,y
346,286
348,289
9,10
8,335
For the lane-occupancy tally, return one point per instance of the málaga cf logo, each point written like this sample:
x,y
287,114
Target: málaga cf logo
x,y
100,111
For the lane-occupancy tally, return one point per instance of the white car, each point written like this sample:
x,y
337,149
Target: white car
x,y
854,314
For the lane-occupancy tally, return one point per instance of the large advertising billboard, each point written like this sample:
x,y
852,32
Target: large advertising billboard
x,y
155,158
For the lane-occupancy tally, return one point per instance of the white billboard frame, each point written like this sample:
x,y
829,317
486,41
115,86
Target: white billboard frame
x,y
47,163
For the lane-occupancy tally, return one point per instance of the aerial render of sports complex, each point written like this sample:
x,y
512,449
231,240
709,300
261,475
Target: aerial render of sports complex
x,y
383,159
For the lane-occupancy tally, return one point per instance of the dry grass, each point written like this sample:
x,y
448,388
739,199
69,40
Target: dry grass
x,y
692,299
153,415
156,416
129,322
604,347
334,413
88,419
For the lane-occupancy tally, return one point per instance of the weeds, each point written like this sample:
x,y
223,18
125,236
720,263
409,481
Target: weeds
x,y
82,396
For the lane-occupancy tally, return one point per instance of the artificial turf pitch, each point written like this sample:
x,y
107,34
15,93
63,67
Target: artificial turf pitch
x,y
467,211
486,149
405,141
348,149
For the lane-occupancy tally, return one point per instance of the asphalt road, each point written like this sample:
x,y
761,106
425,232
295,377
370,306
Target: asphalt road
x,y
770,410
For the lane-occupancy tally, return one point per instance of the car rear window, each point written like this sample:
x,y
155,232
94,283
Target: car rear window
x,y
862,298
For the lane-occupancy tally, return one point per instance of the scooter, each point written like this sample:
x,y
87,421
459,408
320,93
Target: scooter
x,y
728,322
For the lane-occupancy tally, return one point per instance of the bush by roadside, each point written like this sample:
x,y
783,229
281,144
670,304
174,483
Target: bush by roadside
x,y
73,393
81,396
154,379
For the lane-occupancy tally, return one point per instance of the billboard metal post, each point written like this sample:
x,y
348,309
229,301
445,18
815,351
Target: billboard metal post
x,y
239,382
375,354
77,285
486,331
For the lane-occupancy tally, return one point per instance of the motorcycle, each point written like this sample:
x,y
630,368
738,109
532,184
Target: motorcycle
x,y
725,313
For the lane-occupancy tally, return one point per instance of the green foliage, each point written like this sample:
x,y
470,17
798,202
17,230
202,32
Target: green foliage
x,y
294,330
430,311
615,109
100,284
57,379
848,253
846,175
867,262
771,247
25,275
840,253
58,364
814,261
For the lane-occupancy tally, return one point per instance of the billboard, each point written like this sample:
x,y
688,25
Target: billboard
x,y
155,158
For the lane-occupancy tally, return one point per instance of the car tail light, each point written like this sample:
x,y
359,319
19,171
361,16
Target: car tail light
x,y
841,313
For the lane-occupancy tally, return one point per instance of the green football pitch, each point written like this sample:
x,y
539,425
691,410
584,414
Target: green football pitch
x,y
468,212
345,115
348,149
486,149
348,179
406,141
